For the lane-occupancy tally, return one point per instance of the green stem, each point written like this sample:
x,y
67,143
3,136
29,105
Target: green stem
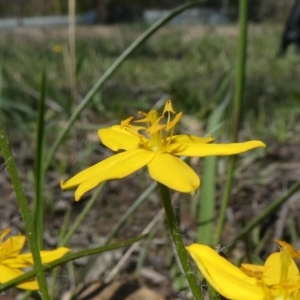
x,y
26,215
266,212
206,198
238,99
206,212
176,237
225,199
38,211
113,68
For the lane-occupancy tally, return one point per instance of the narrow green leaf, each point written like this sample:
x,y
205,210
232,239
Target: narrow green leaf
x,y
206,197
38,213
110,71
237,109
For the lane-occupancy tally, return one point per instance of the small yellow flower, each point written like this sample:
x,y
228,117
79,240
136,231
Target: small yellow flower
x,y
57,48
277,279
156,146
11,261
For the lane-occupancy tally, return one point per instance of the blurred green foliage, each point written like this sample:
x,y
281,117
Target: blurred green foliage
x,y
185,64
258,10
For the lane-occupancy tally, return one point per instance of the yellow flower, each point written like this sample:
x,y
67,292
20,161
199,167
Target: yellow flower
x,y
57,48
277,279
153,145
11,261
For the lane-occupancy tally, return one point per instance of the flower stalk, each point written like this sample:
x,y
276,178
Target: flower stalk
x,y
237,109
25,212
177,240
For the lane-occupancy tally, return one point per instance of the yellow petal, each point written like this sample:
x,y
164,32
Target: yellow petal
x,y
273,270
47,256
7,274
172,123
116,166
199,149
116,138
186,138
126,122
225,278
12,247
51,255
29,285
17,263
174,173
102,167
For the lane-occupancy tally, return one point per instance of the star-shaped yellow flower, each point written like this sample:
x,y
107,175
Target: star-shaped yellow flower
x,y
11,261
156,146
277,279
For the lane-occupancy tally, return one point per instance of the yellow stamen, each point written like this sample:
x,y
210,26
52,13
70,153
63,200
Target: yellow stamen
x,y
252,270
168,107
159,134
126,123
4,233
155,130
171,124
292,251
156,127
143,114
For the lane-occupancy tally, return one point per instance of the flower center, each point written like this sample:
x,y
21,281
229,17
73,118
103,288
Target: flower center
x,y
154,130
279,277
157,135
288,287
285,260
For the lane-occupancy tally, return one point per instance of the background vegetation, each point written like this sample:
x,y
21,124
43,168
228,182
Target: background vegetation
x,y
192,65
258,10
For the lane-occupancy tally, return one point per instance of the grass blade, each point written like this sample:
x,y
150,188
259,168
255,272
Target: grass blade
x,y
86,100
38,213
206,198
25,212
237,106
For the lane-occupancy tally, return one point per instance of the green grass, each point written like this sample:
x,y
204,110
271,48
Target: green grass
x,y
185,64
193,66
